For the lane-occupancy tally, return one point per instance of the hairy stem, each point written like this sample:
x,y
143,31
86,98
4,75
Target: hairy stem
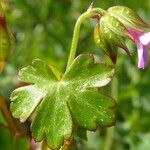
x,y
74,43
7,115
109,133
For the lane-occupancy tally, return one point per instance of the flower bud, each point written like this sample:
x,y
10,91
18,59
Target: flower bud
x,y
127,16
137,30
6,39
109,35
109,49
114,31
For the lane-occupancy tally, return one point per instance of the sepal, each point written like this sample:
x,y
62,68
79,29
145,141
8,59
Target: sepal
x,y
128,17
101,42
114,31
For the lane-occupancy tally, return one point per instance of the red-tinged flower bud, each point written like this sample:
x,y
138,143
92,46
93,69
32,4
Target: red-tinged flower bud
x,y
114,31
109,35
137,31
127,16
7,41
109,48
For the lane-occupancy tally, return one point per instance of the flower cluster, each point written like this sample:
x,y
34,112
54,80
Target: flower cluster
x,y
118,23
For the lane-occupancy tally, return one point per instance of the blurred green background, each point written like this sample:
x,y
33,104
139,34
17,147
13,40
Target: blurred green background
x,y
43,29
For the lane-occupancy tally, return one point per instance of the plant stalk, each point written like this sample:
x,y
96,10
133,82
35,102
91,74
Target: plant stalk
x,y
109,133
83,17
7,115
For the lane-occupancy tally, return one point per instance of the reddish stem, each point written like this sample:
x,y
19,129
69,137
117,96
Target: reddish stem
x,y
2,65
7,115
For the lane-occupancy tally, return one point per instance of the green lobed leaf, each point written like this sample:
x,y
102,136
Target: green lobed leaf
x,y
54,102
56,72
127,16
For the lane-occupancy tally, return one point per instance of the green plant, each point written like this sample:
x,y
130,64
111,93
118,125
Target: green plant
x,y
65,105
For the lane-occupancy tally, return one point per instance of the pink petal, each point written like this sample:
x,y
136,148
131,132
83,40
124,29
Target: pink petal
x,y
142,55
135,33
145,39
142,40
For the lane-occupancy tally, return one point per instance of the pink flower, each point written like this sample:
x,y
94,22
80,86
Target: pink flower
x,y
142,39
